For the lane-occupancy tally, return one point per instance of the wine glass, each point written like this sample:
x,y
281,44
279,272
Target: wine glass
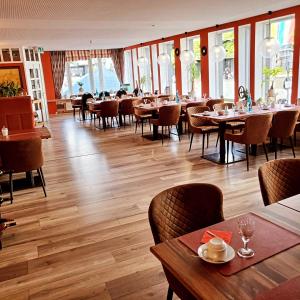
x,y
145,101
246,228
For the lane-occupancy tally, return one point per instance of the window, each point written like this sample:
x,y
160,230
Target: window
x,y
191,74
135,67
145,70
221,74
167,71
275,73
244,56
93,75
128,80
155,68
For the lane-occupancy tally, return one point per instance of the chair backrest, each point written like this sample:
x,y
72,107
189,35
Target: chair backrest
x,y
84,99
284,123
126,106
183,209
169,115
257,129
16,113
196,121
210,103
109,108
221,106
192,104
21,155
279,179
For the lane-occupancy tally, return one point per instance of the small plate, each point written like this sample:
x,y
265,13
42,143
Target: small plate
x,y
265,108
206,114
230,255
287,105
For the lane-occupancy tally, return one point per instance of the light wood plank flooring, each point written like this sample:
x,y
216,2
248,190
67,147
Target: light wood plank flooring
x,y
90,238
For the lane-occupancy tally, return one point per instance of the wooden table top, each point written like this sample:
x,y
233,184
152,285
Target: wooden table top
x,y
14,135
232,115
292,202
154,106
200,280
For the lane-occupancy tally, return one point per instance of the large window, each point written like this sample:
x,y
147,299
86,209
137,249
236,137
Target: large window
x,y
167,71
274,75
145,69
128,76
221,73
155,68
93,75
191,74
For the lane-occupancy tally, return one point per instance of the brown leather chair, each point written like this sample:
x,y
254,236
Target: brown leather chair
x,y
210,103
140,115
283,126
297,129
76,105
279,179
184,115
109,109
255,132
199,125
168,116
183,209
94,110
126,109
18,156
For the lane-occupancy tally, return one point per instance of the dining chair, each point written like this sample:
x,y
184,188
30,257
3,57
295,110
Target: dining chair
x,y
279,179
168,116
255,132
109,109
199,125
126,109
76,105
283,126
18,156
297,129
184,115
180,210
210,103
140,115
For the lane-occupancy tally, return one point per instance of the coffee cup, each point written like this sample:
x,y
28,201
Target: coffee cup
x,y
216,250
221,112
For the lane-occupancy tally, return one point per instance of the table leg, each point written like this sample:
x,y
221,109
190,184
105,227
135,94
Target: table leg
x,y
222,128
180,126
155,132
83,114
120,120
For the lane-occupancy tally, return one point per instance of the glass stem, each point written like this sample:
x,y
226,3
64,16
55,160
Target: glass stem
x,y
245,243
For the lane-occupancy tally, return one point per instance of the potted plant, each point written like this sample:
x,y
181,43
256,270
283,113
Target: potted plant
x,y
269,76
194,74
10,89
143,82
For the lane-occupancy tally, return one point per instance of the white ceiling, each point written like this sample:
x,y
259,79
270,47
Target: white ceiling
x,y
71,24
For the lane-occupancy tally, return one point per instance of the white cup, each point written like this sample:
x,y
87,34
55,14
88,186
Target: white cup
x,y
216,250
4,131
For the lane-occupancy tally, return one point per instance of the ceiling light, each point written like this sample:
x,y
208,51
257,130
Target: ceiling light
x,y
187,57
164,57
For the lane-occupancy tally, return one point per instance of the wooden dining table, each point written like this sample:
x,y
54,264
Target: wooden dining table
x,y
192,278
292,202
219,157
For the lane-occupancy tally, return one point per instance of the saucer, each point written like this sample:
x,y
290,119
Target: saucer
x,y
206,114
230,255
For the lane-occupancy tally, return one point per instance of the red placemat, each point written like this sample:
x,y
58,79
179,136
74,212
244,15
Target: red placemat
x,y
287,290
268,240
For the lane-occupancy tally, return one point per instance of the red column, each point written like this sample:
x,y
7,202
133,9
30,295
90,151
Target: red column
x,y
236,63
178,67
295,87
204,64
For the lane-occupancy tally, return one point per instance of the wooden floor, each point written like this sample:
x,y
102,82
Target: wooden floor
x,y
90,238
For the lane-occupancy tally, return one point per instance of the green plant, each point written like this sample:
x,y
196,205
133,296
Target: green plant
x,y
143,81
80,83
9,89
271,73
194,74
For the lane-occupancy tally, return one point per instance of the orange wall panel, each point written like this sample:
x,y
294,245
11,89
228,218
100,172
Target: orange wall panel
x,y
49,84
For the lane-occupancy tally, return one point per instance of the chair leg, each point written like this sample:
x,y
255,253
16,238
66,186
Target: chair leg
x,y
136,124
142,121
247,156
292,145
295,137
162,135
191,141
218,139
170,294
178,132
227,151
43,183
43,178
11,187
207,140
265,150
117,121
275,145
203,143
169,131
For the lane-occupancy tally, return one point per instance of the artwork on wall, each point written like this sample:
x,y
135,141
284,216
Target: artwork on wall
x,y
11,83
11,74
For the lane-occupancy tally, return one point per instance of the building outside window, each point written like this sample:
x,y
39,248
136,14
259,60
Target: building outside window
x,y
191,74
276,72
145,70
93,76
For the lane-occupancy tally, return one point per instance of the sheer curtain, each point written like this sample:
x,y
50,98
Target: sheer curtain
x,y
58,60
117,56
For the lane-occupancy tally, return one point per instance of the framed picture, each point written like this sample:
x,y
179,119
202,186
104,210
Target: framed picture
x,y
12,73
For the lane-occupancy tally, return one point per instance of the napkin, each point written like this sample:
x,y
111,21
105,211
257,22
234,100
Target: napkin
x,y
225,235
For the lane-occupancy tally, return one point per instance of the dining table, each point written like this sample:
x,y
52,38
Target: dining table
x,y
190,277
234,115
291,202
154,107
